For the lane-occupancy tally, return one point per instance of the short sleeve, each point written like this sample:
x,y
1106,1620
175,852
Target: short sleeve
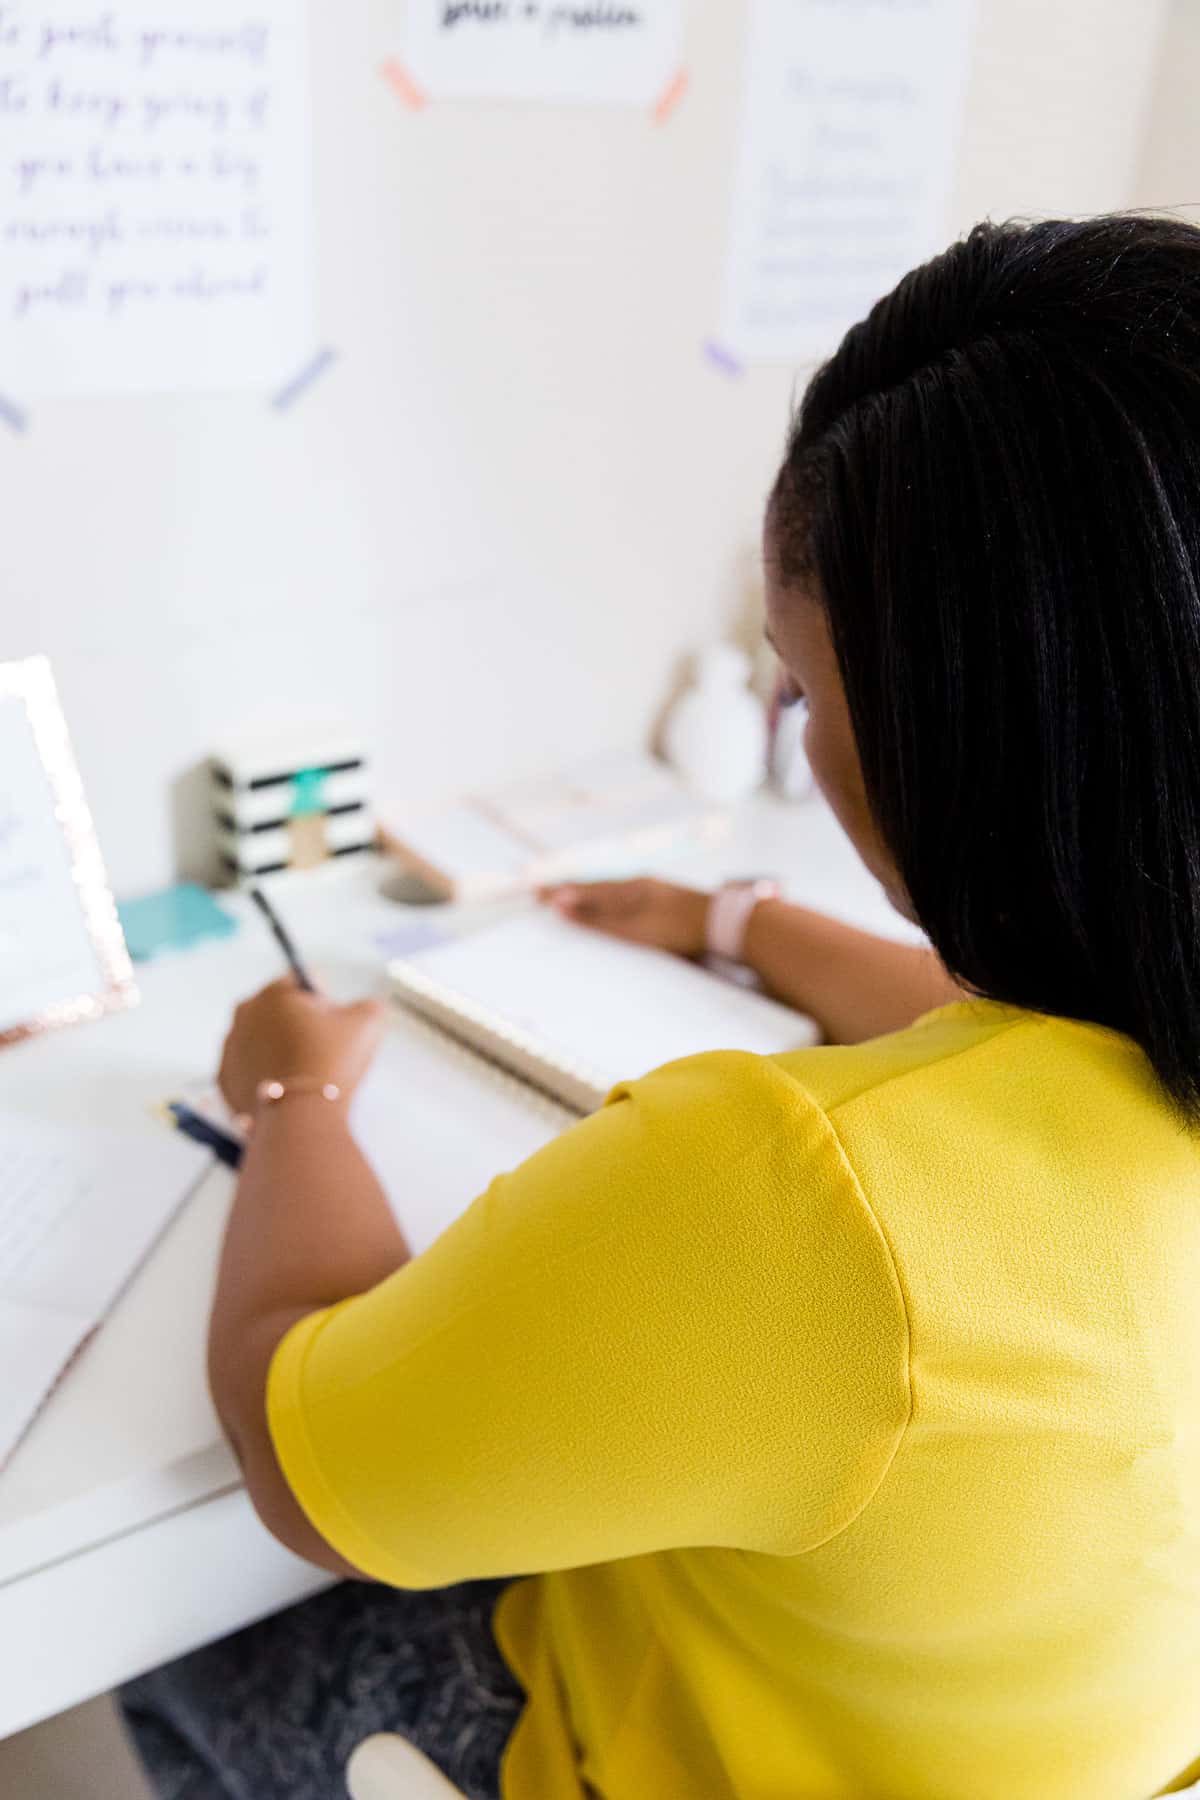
x,y
679,1324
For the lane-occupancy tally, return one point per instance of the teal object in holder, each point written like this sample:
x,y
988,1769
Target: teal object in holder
x,y
308,793
176,919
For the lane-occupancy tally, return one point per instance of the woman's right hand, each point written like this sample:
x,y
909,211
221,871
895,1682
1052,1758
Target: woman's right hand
x,y
646,911
285,1034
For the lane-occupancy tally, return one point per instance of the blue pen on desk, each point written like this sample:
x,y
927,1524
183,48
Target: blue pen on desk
x,y
282,937
225,1148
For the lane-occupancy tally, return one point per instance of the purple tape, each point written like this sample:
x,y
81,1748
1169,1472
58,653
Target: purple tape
x,y
724,359
13,415
304,379
406,940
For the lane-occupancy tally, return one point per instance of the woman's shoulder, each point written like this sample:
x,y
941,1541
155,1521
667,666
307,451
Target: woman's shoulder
x,y
975,1047
835,1074
738,1096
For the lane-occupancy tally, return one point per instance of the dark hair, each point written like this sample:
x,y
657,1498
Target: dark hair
x,y
993,488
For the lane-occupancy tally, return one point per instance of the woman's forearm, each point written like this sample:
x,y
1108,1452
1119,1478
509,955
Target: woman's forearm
x,y
855,985
310,1226
310,1222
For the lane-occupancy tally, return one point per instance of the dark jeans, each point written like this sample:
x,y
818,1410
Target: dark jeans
x,y
274,1712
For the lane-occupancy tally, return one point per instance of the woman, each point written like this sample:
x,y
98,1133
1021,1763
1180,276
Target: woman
x,y
843,1406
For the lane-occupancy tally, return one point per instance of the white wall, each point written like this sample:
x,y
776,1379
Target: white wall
x,y
493,529
1168,173
1058,106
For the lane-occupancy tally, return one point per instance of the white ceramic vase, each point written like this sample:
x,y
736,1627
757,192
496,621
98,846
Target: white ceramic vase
x,y
716,734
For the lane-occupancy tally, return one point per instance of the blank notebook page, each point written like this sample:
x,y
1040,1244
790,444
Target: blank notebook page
x,y
80,1207
614,1007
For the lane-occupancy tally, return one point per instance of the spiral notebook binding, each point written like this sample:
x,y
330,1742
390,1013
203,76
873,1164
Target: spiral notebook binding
x,y
455,1050
570,1083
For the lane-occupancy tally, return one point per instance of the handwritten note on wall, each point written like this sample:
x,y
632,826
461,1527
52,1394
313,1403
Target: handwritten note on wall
x,y
155,201
850,128
573,50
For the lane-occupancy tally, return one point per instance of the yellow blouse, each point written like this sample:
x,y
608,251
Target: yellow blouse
x,y
844,1408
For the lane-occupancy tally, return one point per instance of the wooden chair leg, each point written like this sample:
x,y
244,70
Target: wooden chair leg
x,y
388,1768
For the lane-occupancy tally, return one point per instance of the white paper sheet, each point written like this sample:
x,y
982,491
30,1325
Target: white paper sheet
x,y
571,50
155,198
80,1207
850,127
436,1122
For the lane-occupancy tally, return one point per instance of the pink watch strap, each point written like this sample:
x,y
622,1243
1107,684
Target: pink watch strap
x,y
729,914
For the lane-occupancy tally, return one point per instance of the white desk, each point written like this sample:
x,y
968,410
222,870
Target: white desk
x,y
125,1536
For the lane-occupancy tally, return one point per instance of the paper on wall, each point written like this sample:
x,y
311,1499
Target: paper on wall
x,y
569,50
851,118
155,196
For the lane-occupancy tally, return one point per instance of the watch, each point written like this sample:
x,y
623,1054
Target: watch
x,y
729,915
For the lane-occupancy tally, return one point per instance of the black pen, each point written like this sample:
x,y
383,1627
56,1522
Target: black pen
x,y
225,1148
280,933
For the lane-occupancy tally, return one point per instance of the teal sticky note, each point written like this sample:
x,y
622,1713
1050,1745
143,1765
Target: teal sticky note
x,y
173,920
308,793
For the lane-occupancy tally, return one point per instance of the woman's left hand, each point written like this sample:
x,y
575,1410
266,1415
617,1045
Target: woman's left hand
x,y
285,1034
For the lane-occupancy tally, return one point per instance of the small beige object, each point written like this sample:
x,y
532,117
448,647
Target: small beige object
x,y
309,840
388,1768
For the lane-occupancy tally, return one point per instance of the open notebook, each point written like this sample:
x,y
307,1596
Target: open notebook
x,y
80,1208
504,1039
435,1120
573,1013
